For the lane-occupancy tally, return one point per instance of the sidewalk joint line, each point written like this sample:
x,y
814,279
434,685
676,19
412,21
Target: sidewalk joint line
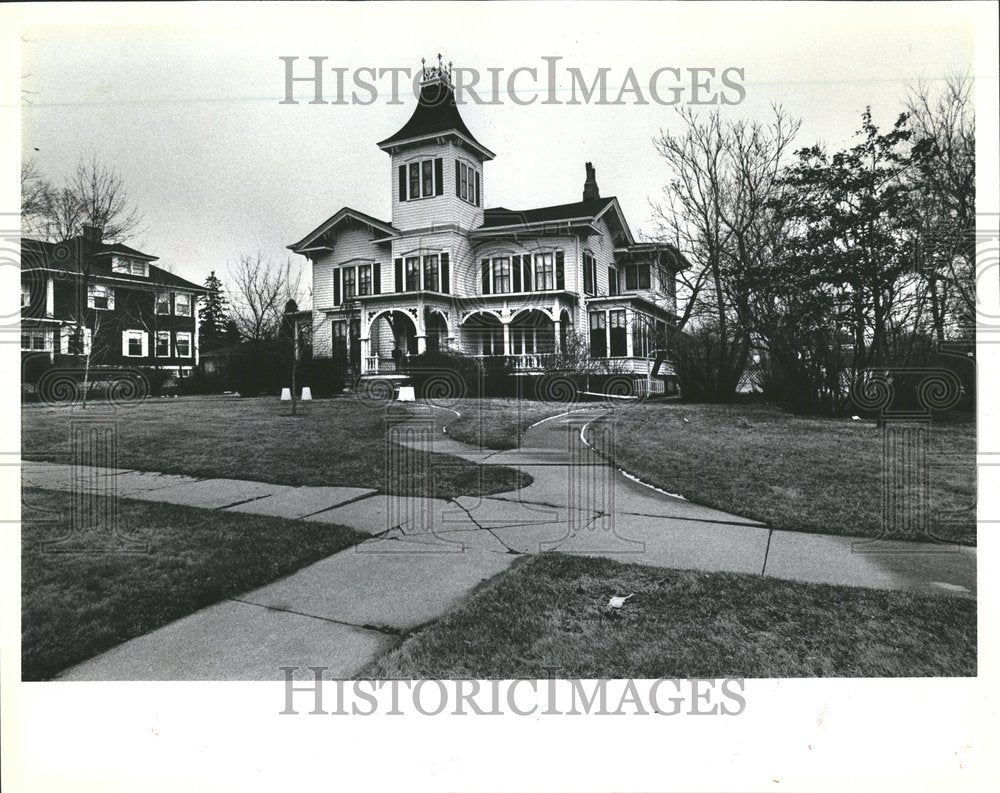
x,y
385,629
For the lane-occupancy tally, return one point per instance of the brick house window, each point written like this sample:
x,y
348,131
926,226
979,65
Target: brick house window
x,y
182,345
35,340
134,344
163,344
432,273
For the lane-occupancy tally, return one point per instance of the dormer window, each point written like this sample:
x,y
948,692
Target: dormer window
x,y
121,264
182,304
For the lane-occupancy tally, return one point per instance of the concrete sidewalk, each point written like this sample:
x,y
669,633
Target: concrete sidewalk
x,y
425,555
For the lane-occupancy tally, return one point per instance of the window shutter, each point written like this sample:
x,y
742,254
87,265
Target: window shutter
x,y
477,188
399,275
458,178
560,271
145,344
124,342
438,176
526,264
402,182
336,287
612,281
445,272
515,266
486,276
377,278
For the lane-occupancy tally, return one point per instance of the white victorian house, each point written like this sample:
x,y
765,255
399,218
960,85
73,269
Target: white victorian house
x,y
447,272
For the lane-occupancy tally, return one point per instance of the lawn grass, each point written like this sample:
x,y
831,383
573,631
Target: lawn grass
x,y
791,472
498,423
75,605
331,442
547,615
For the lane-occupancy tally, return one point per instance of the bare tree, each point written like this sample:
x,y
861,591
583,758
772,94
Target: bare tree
x,y
94,196
944,126
259,292
717,211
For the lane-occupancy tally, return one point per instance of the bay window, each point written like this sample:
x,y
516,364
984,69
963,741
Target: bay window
x,y
365,279
431,273
619,342
349,283
544,272
598,335
637,277
412,275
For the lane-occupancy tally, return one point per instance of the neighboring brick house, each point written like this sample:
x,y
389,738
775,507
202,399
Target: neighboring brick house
x,y
449,273
86,296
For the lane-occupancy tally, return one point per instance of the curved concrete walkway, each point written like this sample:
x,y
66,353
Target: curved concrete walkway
x,y
425,555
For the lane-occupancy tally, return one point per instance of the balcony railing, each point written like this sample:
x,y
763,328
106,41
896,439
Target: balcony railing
x,y
534,362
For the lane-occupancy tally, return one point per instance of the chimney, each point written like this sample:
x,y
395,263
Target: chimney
x,y
93,233
590,191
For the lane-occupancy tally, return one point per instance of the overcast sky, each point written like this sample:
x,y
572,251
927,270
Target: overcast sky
x,y
185,102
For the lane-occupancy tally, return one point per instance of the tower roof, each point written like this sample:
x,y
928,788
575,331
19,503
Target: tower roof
x,y
436,113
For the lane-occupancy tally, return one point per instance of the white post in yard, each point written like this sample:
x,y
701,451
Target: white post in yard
x,y
307,394
286,394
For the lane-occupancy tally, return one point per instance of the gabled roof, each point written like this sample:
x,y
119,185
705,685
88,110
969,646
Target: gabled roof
x,y
79,255
581,213
386,230
588,210
436,113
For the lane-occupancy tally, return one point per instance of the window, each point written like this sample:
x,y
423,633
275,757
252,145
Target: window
x,y
35,340
427,178
612,280
501,275
162,302
77,340
182,345
544,272
162,349
642,335
636,276
134,343
467,183
598,335
619,343
365,279
414,180
25,295
349,283
412,282
589,274
182,304
129,266
431,273
100,297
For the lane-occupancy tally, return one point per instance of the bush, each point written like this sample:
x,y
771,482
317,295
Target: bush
x,y
156,379
444,374
255,370
324,376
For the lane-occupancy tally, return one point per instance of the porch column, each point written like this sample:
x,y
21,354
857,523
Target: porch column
x,y
557,329
421,345
506,338
364,354
630,319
